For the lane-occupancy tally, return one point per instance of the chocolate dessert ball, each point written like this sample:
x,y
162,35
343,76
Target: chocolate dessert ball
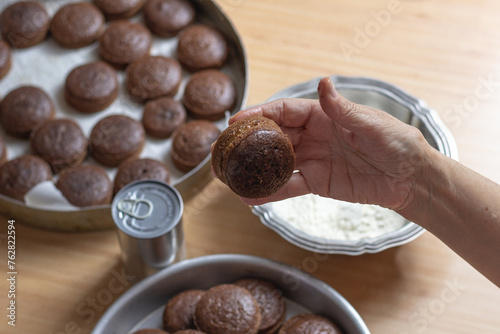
x,y
115,139
191,143
91,87
119,9
152,77
60,142
23,109
253,157
19,175
24,24
166,18
77,24
85,185
124,42
161,117
209,94
201,47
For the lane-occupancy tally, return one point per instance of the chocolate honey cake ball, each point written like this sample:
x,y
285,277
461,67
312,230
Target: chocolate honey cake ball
x,y
152,77
309,324
124,42
209,94
179,311
189,331
85,185
91,87
161,117
201,47
115,139
19,175
119,9
77,24
3,151
191,143
60,142
5,59
271,303
24,24
229,309
23,109
166,18
253,157
140,169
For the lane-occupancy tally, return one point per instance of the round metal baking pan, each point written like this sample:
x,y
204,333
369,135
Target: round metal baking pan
x,y
383,96
99,217
142,306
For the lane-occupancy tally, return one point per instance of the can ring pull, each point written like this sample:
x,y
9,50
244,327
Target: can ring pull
x,y
129,206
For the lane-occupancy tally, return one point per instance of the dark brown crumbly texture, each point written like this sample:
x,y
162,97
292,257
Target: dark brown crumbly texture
x,y
309,324
201,47
85,185
140,169
179,311
161,117
119,9
209,94
124,42
227,309
3,151
253,157
271,303
150,331
23,109
166,18
189,331
153,77
5,59
77,25
60,142
115,139
91,87
24,24
19,175
191,143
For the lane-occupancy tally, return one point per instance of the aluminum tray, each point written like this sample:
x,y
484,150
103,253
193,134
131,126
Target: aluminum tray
x,y
398,103
99,217
142,305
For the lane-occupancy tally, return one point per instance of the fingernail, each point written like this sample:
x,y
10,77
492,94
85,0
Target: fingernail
x,y
325,87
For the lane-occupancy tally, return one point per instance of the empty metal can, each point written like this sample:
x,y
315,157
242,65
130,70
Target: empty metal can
x,y
148,215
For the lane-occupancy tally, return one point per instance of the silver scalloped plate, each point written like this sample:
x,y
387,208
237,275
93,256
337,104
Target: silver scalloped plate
x,y
384,96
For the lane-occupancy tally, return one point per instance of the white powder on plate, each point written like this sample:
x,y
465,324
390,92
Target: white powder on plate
x,y
332,219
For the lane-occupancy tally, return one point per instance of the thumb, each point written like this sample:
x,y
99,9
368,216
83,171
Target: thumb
x,y
347,114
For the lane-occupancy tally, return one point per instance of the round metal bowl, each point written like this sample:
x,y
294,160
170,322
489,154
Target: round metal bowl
x,y
47,64
396,102
142,306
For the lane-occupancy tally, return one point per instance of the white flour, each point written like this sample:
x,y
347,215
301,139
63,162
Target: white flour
x,y
332,219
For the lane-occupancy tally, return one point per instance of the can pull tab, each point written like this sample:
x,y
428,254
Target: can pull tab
x,y
130,207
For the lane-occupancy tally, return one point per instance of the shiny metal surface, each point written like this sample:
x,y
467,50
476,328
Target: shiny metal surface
x,y
142,305
189,184
398,103
148,216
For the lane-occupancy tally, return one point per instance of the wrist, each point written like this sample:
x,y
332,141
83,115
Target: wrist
x,y
428,178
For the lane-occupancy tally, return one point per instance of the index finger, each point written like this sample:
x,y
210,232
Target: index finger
x,y
286,112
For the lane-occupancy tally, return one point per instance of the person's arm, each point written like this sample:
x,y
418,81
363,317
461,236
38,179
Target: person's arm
x,y
460,207
360,154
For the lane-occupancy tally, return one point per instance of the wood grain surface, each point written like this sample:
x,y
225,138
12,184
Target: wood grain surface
x,y
446,53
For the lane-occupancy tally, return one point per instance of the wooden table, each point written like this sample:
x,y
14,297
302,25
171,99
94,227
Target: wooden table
x,y
446,53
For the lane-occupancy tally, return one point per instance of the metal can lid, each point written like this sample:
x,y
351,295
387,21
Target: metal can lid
x,y
147,209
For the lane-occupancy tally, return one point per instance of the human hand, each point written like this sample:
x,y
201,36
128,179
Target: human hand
x,y
346,151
